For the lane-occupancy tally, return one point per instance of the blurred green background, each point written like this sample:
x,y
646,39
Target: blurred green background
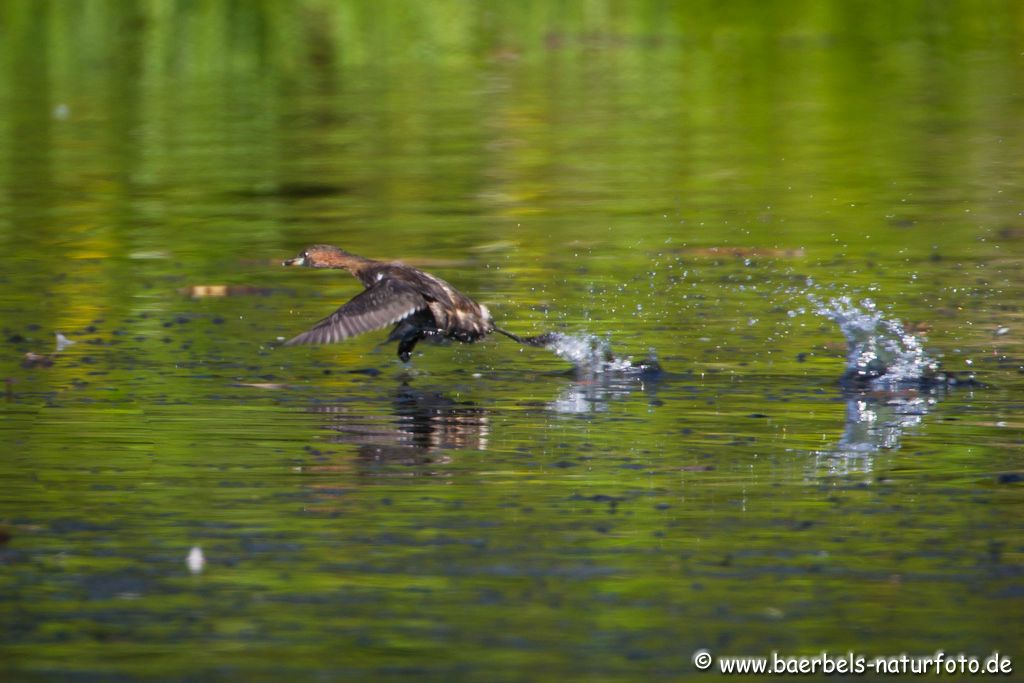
x,y
819,117
675,176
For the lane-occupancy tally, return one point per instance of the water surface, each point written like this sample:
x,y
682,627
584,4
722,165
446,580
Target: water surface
x,y
689,181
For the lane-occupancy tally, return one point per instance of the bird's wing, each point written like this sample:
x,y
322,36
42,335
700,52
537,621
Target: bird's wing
x,y
380,305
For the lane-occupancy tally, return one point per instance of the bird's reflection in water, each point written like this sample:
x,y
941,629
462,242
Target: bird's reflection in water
x,y
420,428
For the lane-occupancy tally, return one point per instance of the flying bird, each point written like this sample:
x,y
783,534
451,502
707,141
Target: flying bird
x,y
418,304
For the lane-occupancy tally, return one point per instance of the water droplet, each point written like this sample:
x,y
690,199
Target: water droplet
x,y
195,560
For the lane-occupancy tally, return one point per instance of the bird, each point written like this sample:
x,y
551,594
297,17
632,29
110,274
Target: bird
x,y
419,305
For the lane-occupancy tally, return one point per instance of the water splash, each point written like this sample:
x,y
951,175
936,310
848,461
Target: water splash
x,y
891,383
880,354
592,355
601,375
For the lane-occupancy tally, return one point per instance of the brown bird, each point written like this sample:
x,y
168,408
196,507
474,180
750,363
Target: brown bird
x,y
418,304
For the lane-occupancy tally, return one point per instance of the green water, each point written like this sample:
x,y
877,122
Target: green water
x,y
672,177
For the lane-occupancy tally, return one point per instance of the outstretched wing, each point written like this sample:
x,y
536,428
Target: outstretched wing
x,y
380,305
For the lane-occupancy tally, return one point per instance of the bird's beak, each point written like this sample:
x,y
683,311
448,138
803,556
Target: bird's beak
x,y
297,261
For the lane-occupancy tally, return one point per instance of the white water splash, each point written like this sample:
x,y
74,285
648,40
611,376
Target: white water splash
x,y
601,375
592,355
879,350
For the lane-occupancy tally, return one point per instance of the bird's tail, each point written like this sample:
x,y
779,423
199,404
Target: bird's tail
x,y
538,340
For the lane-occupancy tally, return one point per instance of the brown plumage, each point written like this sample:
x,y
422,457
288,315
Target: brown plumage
x,y
419,304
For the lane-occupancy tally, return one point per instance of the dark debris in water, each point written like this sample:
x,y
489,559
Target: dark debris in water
x,y
293,190
858,380
598,498
107,586
36,360
70,525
